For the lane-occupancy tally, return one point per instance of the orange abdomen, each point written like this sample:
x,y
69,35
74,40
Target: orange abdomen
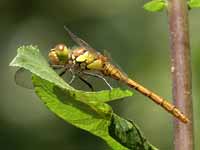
x,y
114,72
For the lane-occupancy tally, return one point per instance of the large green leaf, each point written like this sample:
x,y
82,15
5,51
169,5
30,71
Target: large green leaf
x,y
85,110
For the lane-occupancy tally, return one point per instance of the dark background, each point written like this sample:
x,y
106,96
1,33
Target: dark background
x,y
137,40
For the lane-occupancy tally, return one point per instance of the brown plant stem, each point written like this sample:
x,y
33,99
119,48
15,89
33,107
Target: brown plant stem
x,y
181,71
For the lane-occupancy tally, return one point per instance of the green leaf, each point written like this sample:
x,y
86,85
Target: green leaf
x,y
155,5
194,3
85,110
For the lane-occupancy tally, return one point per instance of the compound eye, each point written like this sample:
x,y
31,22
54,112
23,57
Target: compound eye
x,y
60,47
53,58
59,54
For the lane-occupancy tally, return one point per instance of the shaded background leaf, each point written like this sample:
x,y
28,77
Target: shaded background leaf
x,y
128,134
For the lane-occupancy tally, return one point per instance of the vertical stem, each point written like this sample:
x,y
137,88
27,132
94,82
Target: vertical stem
x,y
181,71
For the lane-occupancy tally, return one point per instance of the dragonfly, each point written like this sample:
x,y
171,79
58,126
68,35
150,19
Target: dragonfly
x,y
85,60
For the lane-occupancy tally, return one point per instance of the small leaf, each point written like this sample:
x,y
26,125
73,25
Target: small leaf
x,y
155,5
128,134
194,3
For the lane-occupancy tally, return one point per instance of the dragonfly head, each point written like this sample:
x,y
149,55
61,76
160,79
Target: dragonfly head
x,y
59,54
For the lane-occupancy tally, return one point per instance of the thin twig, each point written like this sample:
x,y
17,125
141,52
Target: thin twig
x,y
181,71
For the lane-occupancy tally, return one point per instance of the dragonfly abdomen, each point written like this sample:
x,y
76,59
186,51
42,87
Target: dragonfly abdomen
x,y
159,100
114,72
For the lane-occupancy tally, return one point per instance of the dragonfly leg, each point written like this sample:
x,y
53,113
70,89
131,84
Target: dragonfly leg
x,y
59,67
73,76
86,82
66,68
98,76
70,70
62,72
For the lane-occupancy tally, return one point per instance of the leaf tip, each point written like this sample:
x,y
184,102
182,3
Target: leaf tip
x,y
20,51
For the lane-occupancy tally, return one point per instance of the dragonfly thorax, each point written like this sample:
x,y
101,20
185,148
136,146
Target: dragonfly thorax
x,y
88,59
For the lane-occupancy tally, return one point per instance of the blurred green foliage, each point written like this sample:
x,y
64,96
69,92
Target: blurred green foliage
x,y
137,40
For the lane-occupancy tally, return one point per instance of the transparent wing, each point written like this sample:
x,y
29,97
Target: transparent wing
x,y
23,78
79,41
112,61
107,54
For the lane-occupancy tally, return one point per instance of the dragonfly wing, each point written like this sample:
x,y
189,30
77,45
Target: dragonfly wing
x,y
79,41
112,61
23,78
